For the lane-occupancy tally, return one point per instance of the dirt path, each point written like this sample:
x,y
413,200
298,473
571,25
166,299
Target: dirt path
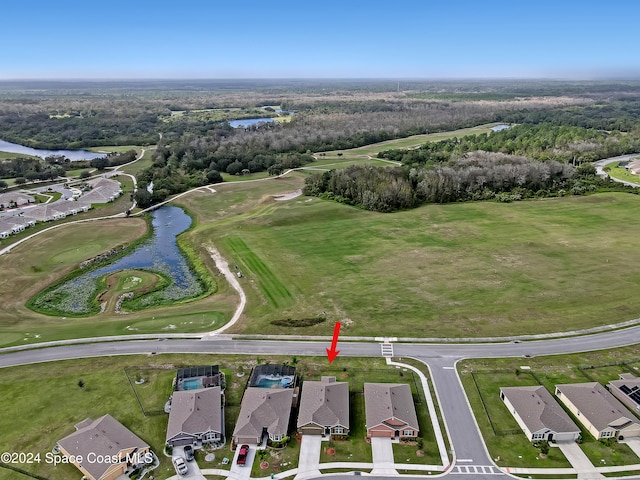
x,y
287,196
223,266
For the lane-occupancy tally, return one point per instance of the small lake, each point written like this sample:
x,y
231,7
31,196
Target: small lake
x,y
159,253
498,128
246,122
73,155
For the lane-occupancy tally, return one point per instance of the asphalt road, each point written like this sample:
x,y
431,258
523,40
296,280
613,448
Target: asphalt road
x,y
441,358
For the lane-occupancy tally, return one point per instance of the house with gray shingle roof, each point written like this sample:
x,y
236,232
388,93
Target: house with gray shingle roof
x,y
627,390
103,190
598,410
390,411
324,408
539,415
15,198
196,417
57,210
263,411
103,449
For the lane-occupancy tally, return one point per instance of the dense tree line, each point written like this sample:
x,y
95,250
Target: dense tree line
x,y
475,176
541,142
113,159
30,169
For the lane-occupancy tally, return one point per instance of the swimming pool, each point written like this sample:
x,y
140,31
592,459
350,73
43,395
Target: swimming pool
x,y
271,381
192,383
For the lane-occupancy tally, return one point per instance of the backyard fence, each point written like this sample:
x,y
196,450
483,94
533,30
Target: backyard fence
x,y
23,472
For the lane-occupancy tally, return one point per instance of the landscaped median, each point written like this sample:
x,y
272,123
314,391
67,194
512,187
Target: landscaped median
x,y
506,442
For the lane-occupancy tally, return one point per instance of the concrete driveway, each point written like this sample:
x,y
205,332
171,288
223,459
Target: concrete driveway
x,y
194,470
382,450
309,456
579,460
634,444
239,472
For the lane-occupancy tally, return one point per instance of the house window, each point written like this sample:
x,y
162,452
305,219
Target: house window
x,y
407,433
276,437
538,436
607,433
338,430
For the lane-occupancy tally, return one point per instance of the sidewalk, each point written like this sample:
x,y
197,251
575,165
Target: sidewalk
x,y
579,460
444,458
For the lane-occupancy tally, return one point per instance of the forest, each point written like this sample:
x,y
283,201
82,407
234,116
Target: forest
x,y
553,121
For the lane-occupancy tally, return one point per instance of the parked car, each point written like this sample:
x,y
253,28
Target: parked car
x,y
180,466
242,455
188,452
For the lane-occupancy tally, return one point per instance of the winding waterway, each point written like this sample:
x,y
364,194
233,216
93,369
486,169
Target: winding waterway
x,y
160,253
73,155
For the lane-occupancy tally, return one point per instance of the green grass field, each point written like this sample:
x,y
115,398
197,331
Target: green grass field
x,y
409,142
10,156
514,449
42,260
141,164
472,269
115,148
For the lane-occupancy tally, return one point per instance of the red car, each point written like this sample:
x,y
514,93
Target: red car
x,y
242,455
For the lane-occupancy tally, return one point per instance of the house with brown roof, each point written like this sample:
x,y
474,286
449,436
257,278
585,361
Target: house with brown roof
x,y
598,410
104,449
196,417
263,411
389,410
627,390
538,414
324,408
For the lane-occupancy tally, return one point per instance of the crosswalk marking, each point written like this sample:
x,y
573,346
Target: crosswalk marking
x,y
476,469
387,349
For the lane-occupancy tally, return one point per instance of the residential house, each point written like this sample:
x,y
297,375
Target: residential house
x,y
389,410
15,224
14,199
57,210
324,408
539,415
196,416
634,167
102,190
627,390
598,410
104,449
263,411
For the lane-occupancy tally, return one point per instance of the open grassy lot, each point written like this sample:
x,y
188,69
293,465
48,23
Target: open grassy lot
x,y
10,156
115,148
139,165
409,142
482,380
333,163
622,173
44,401
472,269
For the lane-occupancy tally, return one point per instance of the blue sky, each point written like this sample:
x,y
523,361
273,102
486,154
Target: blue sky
x,y
319,39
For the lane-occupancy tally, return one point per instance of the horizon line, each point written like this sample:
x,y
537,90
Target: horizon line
x,y
395,79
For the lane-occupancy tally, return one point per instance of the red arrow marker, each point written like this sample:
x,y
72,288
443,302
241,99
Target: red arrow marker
x,y
333,353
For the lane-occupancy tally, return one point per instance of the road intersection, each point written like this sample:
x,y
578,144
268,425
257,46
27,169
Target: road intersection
x,y
470,454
